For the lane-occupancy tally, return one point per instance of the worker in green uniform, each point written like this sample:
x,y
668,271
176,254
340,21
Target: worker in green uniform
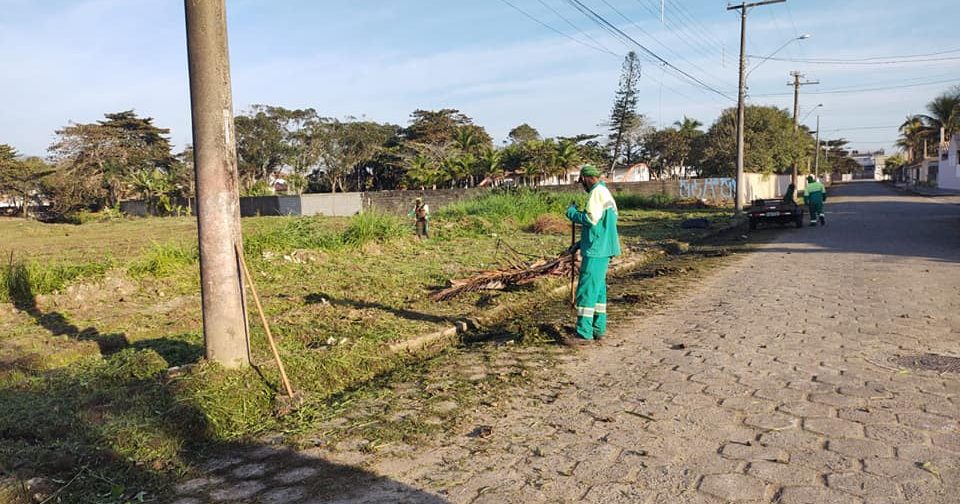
x,y
814,196
598,243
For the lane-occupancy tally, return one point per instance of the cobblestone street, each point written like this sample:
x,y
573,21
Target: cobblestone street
x,y
785,377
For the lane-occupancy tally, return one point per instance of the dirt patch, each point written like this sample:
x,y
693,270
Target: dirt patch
x,y
930,362
550,224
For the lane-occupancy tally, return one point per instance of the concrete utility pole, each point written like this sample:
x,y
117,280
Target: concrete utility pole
x,y
742,94
218,203
816,162
796,109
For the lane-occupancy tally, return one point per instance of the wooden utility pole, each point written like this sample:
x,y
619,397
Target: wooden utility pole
x,y
816,163
225,328
741,96
796,110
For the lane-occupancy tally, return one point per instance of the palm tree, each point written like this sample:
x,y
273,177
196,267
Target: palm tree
x,y
913,132
567,157
944,115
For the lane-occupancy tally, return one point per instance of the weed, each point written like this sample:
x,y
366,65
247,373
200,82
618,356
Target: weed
x,y
164,259
514,207
22,280
373,226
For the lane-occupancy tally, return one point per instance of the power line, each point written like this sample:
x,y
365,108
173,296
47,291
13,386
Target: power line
x,y
678,31
866,90
902,56
551,28
575,27
667,48
811,61
600,19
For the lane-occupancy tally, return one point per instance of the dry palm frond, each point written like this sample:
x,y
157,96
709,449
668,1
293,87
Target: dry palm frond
x,y
517,275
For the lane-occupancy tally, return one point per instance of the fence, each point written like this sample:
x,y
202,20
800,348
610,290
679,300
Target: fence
x,y
716,190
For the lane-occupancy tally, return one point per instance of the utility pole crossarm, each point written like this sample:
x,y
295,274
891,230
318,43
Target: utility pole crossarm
x,y
753,4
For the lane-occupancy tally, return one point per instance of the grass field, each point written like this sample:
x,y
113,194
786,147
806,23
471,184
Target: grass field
x,y
92,317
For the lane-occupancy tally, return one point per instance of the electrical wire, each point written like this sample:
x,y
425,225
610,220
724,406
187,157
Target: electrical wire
x,y
604,22
667,48
864,90
575,27
811,61
551,28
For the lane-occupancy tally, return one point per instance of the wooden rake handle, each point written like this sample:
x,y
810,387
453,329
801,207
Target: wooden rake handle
x,y
263,320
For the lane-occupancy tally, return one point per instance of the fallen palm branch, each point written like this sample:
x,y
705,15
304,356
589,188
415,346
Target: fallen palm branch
x,y
518,274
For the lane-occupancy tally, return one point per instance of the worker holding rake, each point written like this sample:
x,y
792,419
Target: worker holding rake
x,y
598,243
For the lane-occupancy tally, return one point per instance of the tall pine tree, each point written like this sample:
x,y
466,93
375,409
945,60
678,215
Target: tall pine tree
x,y
624,119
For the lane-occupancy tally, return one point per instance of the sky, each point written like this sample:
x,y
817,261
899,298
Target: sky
x,y
501,62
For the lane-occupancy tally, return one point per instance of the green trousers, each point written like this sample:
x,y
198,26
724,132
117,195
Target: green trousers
x,y
592,297
816,208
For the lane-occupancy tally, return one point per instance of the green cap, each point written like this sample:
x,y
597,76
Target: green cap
x,y
589,171
810,178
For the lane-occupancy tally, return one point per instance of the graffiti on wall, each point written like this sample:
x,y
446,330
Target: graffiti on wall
x,y
710,189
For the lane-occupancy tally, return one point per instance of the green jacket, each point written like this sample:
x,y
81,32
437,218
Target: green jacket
x,y
814,193
598,237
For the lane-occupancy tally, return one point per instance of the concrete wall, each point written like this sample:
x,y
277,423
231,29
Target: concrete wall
x,y
949,176
717,190
331,204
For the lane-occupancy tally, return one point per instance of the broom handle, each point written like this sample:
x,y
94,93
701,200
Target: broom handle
x,y
263,319
573,263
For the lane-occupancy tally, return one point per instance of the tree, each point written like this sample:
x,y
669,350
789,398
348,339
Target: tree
x,y
523,133
943,113
913,134
105,154
262,146
345,147
22,177
771,145
624,119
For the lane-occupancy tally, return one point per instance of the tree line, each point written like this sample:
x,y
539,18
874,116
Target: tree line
x,y
96,165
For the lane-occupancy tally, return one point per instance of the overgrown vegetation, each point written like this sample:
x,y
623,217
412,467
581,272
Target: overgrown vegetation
x,y
336,291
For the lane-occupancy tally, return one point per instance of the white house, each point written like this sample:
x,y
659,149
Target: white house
x,y
871,164
948,176
639,172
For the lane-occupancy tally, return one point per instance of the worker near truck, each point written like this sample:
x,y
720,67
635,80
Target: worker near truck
x,y
814,196
599,242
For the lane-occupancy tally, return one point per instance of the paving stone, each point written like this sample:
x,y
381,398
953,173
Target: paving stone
x,y
824,461
860,448
807,409
833,427
237,491
771,421
728,390
748,404
926,421
282,495
814,495
792,440
862,484
867,416
296,475
192,486
733,487
925,453
894,434
780,394
947,441
249,470
751,452
837,400
897,469
783,474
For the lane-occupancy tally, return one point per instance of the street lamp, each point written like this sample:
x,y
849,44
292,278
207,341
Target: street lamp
x,y
805,36
811,111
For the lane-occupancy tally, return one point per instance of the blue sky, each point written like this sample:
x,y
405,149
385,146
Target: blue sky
x,y
75,60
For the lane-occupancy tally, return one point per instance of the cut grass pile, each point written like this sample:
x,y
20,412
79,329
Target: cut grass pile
x,y
335,290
